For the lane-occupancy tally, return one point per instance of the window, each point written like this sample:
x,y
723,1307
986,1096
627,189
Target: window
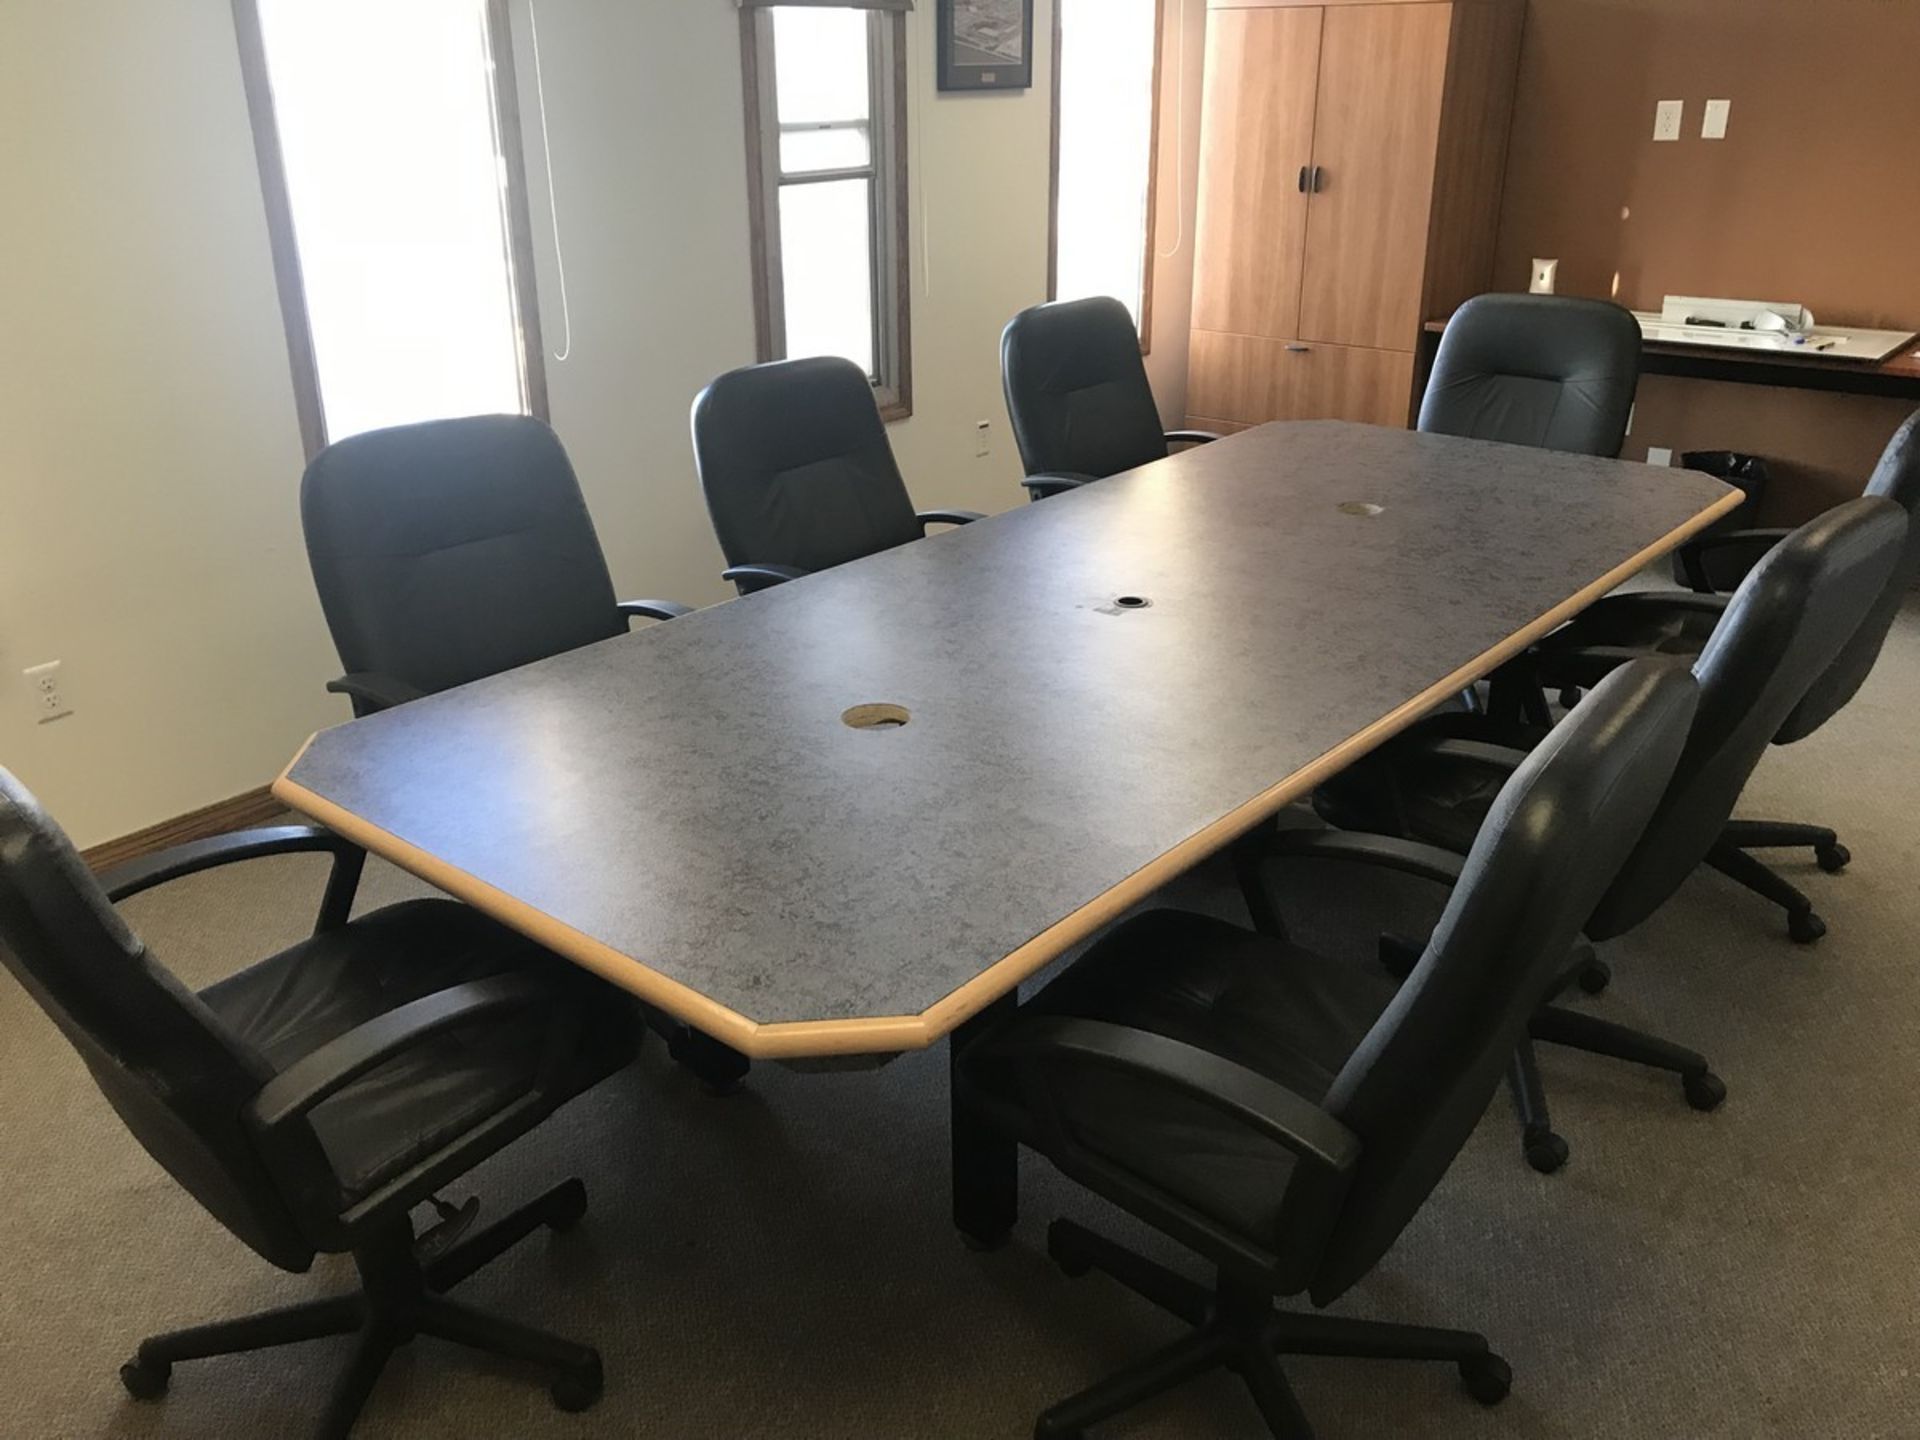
x,y
1105,84
390,157
826,123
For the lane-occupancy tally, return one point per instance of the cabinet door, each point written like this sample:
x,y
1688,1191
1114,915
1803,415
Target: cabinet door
x,y
1249,379
1256,138
1383,72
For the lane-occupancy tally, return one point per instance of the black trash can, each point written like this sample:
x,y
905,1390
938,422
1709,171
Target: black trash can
x,y
1727,566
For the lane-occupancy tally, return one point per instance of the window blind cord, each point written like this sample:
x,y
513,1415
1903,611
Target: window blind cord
x,y
553,200
1179,138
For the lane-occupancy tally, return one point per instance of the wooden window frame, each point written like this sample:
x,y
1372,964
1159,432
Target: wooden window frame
x,y
288,275
1150,240
889,210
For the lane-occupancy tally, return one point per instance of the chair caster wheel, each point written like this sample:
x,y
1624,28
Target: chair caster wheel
x,y
567,1208
1569,697
146,1380
1832,858
1545,1151
1044,1430
1804,927
985,1244
1060,1250
1595,976
1488,1378
579,1390
1704,1091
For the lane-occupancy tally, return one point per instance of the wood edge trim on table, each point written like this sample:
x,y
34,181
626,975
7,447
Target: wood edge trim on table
x,y
868,1035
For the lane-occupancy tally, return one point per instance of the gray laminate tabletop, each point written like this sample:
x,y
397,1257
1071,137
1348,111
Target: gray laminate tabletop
x,y
684,811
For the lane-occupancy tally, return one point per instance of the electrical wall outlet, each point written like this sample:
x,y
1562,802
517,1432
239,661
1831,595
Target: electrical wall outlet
x,y
1714,125
49,697
1659,455
982,438
1668,117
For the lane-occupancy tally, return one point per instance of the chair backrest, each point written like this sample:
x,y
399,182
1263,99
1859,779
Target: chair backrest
x,y
796,467
1781,629
1417,1085
1895,478
1545,370
452,550
1077,390
175,1076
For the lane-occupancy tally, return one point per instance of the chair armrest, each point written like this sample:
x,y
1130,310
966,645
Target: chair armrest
x,y
324,1072
1261,1104
124,881
948,517
374,692
1191,437
749,578
1058,482
336,902
654,609
1359,847
1693,553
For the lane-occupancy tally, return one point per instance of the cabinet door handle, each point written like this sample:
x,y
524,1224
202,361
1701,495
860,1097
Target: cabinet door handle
x,y
1299,349
1319,176
1306,172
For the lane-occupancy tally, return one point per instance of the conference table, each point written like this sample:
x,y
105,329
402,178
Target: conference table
x,y
847,816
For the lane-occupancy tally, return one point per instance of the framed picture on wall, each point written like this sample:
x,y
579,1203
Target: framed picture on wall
x,y
985,44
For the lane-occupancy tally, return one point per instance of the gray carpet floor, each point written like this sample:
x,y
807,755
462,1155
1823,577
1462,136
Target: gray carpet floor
x,y
780,1264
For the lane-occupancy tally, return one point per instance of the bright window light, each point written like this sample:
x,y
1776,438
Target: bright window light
x,y
824,97
1105,155
387,123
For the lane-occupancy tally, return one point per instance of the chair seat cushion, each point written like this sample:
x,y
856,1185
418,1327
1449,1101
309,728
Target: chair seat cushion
x,y
1640,623
1402,790
397,1114
1283,1011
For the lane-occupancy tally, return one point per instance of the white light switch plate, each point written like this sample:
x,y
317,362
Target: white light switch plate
x,y
1668,118
1659,455
1546,274
1714,126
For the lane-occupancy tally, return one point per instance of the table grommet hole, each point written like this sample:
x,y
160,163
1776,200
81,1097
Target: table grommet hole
x,y
879,716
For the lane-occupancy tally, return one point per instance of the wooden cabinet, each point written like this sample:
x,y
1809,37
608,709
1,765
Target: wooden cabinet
x,y
1351,156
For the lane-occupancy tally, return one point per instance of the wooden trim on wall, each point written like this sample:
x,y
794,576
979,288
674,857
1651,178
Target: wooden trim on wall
x,y
902,401
752,84
255,807
519,217
1151,241
286,251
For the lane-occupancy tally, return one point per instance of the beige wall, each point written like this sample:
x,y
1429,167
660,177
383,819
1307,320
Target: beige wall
x,y
149,454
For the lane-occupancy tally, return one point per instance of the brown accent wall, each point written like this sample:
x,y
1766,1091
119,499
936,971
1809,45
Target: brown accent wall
x,y
1814,196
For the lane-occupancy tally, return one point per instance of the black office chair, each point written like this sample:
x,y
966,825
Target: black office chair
x,y
310,1101
1078,396
798,473
452,550
1436,782
1286,1115
1681,623
1543,370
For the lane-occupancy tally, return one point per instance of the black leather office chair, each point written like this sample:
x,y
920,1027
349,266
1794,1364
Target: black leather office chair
x,y
1543,370
798,473
309,1102
1286,1115
1680,623
1435,783
452,550
1078,396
